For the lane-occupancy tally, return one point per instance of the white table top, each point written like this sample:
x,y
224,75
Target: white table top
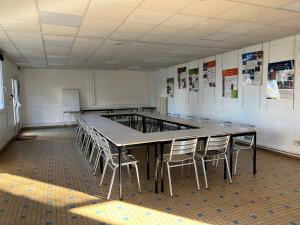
x,y
121,135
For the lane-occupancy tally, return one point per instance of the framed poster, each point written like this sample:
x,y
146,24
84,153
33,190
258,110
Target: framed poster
x,y
209,73
170,87
194,79
181,77
252,68
281,80
230,83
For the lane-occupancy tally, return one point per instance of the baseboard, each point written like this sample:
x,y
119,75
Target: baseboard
x,y
5,147
47,126
280,152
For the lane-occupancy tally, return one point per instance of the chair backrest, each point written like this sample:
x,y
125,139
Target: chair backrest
x,y
103,143
185,147
217,143
246,138
226,123
190,117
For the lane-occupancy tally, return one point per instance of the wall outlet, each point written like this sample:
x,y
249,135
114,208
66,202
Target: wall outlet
x,y
297,142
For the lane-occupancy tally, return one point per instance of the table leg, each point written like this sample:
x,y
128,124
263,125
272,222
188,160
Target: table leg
x,y
120,174
254,154
156,169
101,164
148,163
230,154
144,124
161,166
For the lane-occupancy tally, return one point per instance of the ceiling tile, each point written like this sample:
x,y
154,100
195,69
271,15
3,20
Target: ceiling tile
x,y
60,19
215,25
219,36
73,7
94,33
59,30
24,15
124,36
210,8
185,21
154,38
24,4
131,3
243,12
19,26
104,10
92,23
138,28
149,16
166,5
194,33
274,32
274,16
294,6
59,51
241,28
87,43
292,23
58,41
166,30
270,3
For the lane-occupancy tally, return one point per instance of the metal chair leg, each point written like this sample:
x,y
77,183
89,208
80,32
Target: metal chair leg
x,y
228,170
236,161
204,172
170,182
92,153
128,171
103,174
111,183
196,174
138,177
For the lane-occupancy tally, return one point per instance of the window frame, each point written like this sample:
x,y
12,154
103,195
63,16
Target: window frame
x,y
2,88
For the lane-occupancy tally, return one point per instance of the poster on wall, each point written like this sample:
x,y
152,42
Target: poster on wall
x,y
281,80
181,77
194,79
209,73
170,87
252,68
230,83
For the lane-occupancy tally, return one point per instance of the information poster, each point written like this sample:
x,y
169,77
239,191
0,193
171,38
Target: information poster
x,y
230,83
209,73
181,77
281,80
252,68
170,87
194,79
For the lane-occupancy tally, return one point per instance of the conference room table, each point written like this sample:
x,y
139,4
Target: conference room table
x,y
122,136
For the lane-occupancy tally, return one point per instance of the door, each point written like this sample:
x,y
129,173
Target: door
x,y
16,103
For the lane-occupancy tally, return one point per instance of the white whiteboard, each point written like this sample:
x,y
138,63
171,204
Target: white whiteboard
x,y
71,99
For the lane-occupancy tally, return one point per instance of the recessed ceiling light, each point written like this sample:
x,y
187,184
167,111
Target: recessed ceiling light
x,y
60,19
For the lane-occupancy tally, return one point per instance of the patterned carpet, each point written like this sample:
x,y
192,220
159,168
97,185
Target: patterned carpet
x,y
46,180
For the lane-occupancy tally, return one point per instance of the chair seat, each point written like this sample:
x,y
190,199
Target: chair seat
x,y
176,158
126,159
210,153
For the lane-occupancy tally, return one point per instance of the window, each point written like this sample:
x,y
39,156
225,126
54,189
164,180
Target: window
x,y
1,88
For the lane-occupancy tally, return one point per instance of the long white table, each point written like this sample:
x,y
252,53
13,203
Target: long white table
x,y
122,136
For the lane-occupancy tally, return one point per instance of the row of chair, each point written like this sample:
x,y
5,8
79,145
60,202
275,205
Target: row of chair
x,y
87,136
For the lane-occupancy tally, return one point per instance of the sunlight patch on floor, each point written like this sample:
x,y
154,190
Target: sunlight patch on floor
x,y
118,212
41,191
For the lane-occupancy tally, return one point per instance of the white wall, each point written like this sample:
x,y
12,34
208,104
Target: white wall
x,y
277,121
7,128
41,92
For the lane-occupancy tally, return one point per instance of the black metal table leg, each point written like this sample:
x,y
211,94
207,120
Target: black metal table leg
x,y
254,154
101,164
144,124
156,169
148,163
120,174
162,164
